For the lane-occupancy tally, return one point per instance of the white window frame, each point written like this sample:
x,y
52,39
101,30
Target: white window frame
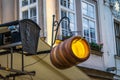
x,y
117,22
68,10
90,19
28,7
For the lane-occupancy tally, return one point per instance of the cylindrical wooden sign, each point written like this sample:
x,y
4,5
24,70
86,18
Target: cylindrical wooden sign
x,y
70,52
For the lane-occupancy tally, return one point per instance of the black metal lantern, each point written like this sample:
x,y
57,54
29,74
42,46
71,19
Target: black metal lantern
x,y
29,31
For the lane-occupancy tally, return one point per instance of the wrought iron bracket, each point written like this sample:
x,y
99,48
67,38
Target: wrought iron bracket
x,y
55,28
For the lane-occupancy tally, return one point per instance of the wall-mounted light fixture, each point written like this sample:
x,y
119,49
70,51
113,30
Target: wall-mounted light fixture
x,y
69,52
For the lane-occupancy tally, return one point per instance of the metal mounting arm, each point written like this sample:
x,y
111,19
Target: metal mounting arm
x,y
57,24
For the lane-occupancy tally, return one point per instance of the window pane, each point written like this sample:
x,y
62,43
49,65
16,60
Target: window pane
x,y
72,27
85,22
24,2
25,14
84,5
90,8
92,33
93,40
91,11
86,28
65,28
92,30
84,12
63,3
63,13
92,24
33,12
72,21
71,4
91,15
32,1
64,33
84,8
117,29
86,32
34,19
118,46
71,17
67,3
64,24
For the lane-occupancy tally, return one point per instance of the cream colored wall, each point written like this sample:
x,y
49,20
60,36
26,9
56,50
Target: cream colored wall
x,y
41,17
50,10
7,10
16,9
0,11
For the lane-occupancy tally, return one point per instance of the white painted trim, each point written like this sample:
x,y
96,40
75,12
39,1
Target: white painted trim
x,y
66,9
24,8
20,14
37,13
87,2
45,18
75,16
33,5
113,30
60,17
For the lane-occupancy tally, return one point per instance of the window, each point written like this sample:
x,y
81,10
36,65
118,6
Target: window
x,y
67,9
117,37
25,14
32,1
88,10
24,2
67,3
117,66
28,10
33,13
89,21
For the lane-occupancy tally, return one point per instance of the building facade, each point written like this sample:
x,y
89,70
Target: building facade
x,y
96,20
